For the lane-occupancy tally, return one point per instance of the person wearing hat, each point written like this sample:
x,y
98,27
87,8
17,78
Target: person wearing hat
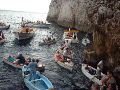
x,y
21,59
32,65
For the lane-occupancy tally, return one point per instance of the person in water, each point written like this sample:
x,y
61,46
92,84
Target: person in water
x,y
1,35
32,65
21,59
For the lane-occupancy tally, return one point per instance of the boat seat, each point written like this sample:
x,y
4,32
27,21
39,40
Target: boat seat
x,y
36,80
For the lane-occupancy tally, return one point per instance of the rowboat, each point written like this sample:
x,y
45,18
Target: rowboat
x,y
4,27
11,62
71,36
22,34
46,42
92,77
40,82
36,25
66,65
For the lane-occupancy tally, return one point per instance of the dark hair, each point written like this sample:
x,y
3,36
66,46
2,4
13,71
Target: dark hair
x,y
33,60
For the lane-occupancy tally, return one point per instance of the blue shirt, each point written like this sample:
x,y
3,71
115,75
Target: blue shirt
x,y
32,65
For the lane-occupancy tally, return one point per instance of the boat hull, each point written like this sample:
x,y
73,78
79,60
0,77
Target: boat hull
x,y
39,83
23,36
4,27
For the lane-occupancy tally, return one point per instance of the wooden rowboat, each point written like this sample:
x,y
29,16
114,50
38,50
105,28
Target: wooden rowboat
x,y
10,61
66,65
22,34
71,36
90,76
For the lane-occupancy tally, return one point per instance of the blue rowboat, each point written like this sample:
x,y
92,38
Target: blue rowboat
x,y
39,83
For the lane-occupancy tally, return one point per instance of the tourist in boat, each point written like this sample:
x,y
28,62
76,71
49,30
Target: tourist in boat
x,y
40,66
75,36
32,65
67,44
90,70
21,59
70,34
85,41
47,39
59,56
108,82
11,58
61,48
66,54
1,35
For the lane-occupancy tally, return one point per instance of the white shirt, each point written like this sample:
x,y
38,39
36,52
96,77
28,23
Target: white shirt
x,y
85,41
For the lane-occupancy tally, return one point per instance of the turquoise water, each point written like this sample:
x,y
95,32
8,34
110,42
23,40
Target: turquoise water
x,y
14,19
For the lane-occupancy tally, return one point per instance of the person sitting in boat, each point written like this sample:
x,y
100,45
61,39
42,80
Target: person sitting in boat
x,y
40,66
98,73
90,70
32,65
61,48
108,81
59,56
100,65
1,35
67,44
66,54
47,39
85,41
21,59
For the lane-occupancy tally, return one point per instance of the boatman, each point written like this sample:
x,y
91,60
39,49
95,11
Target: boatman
x,y
32,65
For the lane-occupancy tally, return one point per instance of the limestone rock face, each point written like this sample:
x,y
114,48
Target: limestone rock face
x,y
69,13
102,17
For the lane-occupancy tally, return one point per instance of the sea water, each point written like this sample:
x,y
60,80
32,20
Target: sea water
x,y
62,79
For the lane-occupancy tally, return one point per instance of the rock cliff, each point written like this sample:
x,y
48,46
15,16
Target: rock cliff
x,y
82,14
101,17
